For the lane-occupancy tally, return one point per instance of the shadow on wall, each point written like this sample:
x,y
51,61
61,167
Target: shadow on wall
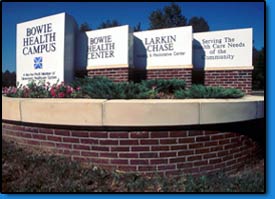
x,y
198,63
81,55
254,129
140,62
139,72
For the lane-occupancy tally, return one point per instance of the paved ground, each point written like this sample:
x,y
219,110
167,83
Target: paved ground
x,y
258,93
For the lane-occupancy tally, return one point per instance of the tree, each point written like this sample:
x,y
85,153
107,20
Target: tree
x,y
259,69
199,24
137,28
84,27
8,78
109,24
255,54
169,17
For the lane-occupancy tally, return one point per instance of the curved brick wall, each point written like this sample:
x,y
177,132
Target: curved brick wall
x,y
166,152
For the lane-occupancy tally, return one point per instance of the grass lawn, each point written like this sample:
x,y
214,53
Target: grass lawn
x,y
26,171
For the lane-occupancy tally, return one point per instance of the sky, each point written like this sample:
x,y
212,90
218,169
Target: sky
x,y
219,15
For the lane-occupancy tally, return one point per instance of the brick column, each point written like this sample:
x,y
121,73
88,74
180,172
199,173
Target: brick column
x,y
240,79
115,74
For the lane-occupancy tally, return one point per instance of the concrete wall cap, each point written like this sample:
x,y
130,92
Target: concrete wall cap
x,y
130,113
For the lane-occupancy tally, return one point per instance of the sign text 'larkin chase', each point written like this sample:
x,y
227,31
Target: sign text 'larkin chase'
x,y
159,44
165,47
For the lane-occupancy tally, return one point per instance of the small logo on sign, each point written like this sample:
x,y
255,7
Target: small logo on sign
x,y
37,62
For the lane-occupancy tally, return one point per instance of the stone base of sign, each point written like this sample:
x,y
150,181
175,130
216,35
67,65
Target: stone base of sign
x,y
115,74
182,73
241,79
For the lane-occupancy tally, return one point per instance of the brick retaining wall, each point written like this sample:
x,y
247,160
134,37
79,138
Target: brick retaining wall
x,y
241,79
165,152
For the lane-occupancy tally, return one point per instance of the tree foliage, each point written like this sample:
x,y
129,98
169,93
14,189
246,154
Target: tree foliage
x,y
109,24
170,16
84,27
199,24
137,28
259,69
8,78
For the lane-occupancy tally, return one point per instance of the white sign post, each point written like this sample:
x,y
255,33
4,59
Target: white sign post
x,y
228,49
109,48
45,49
163,48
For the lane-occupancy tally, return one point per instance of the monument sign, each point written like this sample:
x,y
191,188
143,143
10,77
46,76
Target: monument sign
x,y
222,49
45,49
163,48
52,48
109,48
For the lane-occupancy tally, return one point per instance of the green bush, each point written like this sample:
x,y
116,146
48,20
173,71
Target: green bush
x,y
135,91
96,87
200,91
164,86
31,90
35,90
102,87
247,181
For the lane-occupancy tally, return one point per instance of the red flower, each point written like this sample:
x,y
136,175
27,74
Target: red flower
x,y
69,90
52,91
61,95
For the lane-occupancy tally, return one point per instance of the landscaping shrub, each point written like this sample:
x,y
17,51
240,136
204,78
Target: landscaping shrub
x,y
31,90
35,90
42,90
64,91
135,91
10,91
200,91
164,86
247,181
96,87
104,88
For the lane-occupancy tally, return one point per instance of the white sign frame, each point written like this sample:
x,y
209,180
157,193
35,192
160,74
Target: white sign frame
x,y
45,49
108,48
223,50
163,48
